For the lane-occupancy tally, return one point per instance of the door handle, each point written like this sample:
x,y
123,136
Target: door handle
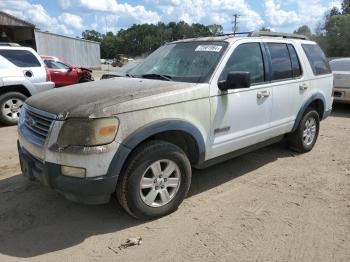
x,y
262,94
303,87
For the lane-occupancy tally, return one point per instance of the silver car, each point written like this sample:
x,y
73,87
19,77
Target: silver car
x,y
341,71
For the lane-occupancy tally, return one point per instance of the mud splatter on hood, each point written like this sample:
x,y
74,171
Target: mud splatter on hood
x,y
84,100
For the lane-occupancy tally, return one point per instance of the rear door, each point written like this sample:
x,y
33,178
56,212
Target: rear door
x,y
29,64
287,83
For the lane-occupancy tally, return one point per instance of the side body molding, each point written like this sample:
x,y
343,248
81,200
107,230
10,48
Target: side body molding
x,y
147,131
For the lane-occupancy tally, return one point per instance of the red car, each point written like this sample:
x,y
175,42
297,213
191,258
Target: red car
x,y
63,74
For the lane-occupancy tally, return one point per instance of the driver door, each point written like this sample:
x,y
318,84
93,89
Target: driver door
x,y
62,74
241,117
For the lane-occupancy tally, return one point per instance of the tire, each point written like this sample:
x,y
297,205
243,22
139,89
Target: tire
x,y
9,109
138,202
86,79
303,139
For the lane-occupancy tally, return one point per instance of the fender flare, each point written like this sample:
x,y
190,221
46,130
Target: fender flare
x,y
141,134
307,103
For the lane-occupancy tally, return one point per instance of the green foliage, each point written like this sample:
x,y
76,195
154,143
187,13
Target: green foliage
x,y
345,6
92,35
265,29
337,34
303,30
333,34
144,38
334,11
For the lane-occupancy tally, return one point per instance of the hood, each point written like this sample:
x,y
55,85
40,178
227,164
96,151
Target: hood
x,y
84,69
90,99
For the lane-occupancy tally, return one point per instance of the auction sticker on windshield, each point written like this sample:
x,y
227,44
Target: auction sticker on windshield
x,y
208,48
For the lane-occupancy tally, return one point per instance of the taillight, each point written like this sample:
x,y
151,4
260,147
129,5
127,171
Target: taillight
x,y
48,76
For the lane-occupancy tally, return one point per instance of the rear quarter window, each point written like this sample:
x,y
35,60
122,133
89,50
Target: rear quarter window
x,y
317,59
20,58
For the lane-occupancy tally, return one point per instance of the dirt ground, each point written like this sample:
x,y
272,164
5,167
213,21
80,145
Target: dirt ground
x,y
269,205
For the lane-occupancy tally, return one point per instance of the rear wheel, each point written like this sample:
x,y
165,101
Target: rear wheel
x,y
156,180
304,137
10,107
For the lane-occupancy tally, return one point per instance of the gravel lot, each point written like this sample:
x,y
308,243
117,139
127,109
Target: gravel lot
x,y
269,205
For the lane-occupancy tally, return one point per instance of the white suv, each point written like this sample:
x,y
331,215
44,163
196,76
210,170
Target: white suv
x,y
22,74
192,103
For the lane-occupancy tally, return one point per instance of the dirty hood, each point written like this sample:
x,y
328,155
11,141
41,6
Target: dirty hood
x,y
89,99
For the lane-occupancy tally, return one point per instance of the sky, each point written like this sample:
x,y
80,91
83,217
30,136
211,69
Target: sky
x,y
71,17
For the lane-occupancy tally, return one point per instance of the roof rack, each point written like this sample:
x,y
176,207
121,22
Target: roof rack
x,y
275,34
269,34
237,33
8,44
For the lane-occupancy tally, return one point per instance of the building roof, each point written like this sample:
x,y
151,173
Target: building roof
x,y
10,20
37,31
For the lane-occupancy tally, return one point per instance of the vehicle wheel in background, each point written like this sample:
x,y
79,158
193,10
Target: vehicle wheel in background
x,y
10,106
86,79
304,137
156,180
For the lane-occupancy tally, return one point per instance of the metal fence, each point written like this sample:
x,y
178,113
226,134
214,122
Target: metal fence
x,y
75,51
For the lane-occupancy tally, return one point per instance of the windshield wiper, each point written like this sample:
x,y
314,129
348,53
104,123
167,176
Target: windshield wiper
x,y
129,75
151,76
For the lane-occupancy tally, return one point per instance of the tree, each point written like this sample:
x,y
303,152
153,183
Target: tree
x,y
92,35
345,7
334,11
303,30
265,29
143,39
337,35
215,29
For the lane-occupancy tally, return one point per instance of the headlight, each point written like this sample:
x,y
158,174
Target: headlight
x,y
88,132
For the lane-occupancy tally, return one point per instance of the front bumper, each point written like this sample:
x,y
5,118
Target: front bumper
x,y
89,190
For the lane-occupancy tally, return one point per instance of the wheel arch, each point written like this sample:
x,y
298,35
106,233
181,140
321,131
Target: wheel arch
x,y
316,101
15,88
179,132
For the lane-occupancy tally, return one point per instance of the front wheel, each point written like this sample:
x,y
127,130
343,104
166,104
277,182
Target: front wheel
x,y
86,79
10,107
156,180
304,137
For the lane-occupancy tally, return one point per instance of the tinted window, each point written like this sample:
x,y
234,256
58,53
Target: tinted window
x,y
295,61
21,58
248,58
317,59
281,65
55,64
340,65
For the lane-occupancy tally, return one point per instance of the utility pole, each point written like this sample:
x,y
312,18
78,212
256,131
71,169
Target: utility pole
x,y
234,23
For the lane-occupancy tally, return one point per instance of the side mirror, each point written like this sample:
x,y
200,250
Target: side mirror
x,y
235,80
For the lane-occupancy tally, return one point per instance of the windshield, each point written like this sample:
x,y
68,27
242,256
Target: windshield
x,y
129,66
340,65
185,61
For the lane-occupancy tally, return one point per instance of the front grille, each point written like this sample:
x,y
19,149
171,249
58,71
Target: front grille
x,y
37,122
